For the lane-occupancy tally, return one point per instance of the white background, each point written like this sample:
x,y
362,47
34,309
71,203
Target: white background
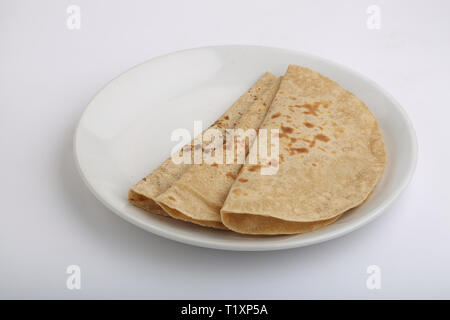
x,y
50,220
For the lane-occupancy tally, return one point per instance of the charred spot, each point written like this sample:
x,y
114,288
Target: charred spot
x,y
254,168
286,129
321,137
311,108
227,118
231,175
276,115
298,150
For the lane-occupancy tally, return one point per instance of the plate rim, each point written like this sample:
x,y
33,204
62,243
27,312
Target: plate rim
x,y
266,246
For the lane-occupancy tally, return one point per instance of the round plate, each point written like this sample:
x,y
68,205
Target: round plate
x,y
124,134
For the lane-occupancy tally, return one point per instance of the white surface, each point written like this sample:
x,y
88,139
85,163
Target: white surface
x,y
50,220
118,138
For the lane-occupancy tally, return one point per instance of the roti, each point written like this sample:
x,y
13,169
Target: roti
x,y
199,194
331,156
144,193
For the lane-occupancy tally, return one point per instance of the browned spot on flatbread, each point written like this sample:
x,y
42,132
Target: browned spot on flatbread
x,y
237,191
320,137
230,175
242,180
227,118
172,198
286,129
308,124
276,115
254,168
298,150
314,164
293,98
215,165
312,108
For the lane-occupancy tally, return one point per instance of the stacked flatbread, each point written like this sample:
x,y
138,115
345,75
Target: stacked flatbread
x,y
330,157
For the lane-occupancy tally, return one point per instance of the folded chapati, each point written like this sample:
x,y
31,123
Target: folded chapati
x,y
143,194
198,195
331,155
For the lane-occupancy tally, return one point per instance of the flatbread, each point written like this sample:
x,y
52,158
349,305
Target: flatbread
x,y
143,194
199,194
331,157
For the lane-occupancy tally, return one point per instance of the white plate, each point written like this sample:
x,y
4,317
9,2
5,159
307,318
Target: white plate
x,y
124,133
